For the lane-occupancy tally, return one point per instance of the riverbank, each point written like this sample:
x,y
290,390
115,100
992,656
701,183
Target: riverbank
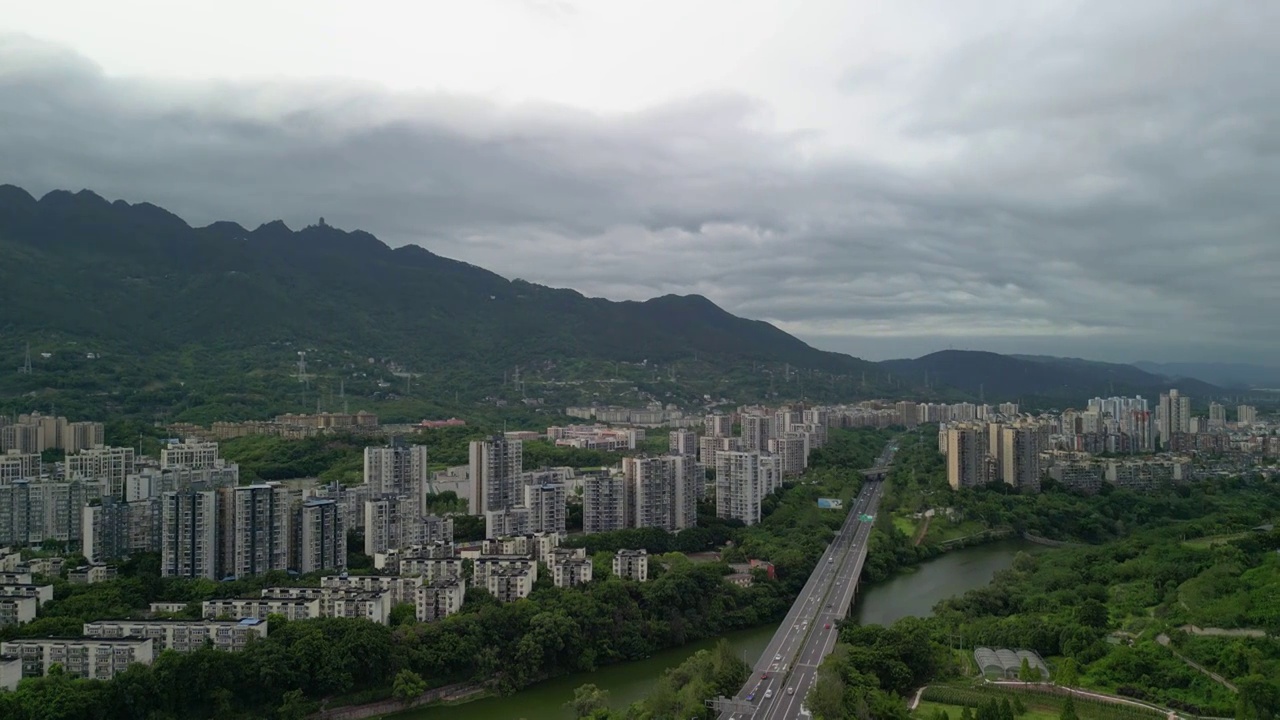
x,y
625,682
912,591
915,589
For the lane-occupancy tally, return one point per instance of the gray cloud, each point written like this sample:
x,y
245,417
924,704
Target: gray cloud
x,y
1099,184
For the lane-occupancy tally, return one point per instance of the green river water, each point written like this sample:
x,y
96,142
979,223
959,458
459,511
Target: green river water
x,y
911,593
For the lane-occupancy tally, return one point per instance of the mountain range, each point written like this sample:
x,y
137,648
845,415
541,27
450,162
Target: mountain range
x,y
136,283
1227,375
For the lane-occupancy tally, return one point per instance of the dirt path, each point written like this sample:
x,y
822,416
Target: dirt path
x,y
1225,632
1164,640
924,530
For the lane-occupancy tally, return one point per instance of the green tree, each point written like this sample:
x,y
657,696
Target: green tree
x,y
1068,710
1068,673
588,700
1092,614
826,699
294,706
1025,673
408,685
403,614
1006,710
1019,708
1259,698
965,713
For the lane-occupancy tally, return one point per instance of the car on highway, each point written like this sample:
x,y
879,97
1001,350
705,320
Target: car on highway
x,y
777,657
827,626
831,559
768,693
791,691
764,676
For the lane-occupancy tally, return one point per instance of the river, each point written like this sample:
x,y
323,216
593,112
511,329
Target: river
x,y
911,593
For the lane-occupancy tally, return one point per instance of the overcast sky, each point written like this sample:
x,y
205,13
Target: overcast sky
x,y
1094,179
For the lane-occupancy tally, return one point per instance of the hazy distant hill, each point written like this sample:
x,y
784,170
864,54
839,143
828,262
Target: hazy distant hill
x,y
1228,375
997,376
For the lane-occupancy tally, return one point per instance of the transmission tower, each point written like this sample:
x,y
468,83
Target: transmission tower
x,y
302,367
26,362
342,393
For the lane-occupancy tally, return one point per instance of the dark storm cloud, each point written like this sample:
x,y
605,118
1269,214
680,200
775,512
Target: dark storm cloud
x,y
1101,184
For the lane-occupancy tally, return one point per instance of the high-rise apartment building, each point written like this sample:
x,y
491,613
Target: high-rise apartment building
x,y
1173,417
756,431
83,435
966,456
792,451
260,529
1217,415
18,465
111,465
662,492
495,468
34,511
690,487
708,446
1020,457
743,479
1246,414
384,520
189,534
546,506
397,469
604,503
653,480
682,442
321,539
717,426
20,438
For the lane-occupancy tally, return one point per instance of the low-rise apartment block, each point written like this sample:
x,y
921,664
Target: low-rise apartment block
x,y
631,565
42,593
571,573
439,599
512,582
238,608
90,574
570,567
10,672
339,601
486,565
10,559
90,658
15,610
182,635
398,589
432,569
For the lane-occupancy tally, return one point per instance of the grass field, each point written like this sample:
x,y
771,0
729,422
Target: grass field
x,y
942,529
905,525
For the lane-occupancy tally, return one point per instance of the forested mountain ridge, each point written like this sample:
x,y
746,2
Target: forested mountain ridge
x,y
140,313
136,273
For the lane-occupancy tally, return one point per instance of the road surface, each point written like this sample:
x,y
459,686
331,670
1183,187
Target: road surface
x,y
809,632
